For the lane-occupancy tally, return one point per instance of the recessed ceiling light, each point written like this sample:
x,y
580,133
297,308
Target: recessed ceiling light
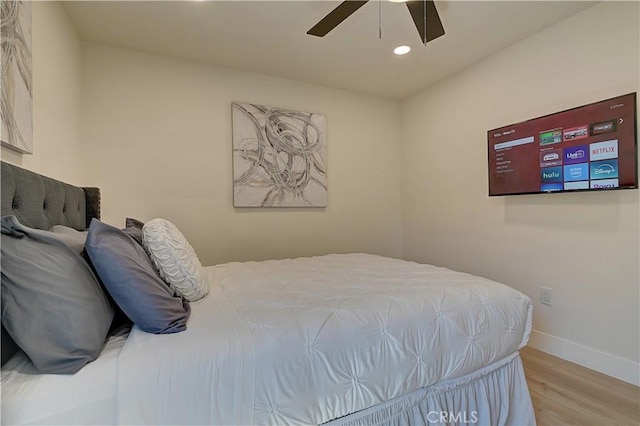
x,y
398,1
401,50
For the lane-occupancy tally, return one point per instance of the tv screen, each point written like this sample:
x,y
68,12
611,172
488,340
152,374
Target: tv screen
x,y
589,148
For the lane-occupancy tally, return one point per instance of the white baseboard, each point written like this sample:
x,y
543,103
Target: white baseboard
x,y
602,362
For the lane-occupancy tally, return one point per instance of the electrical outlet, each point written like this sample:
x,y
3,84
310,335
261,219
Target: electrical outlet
x,y
546,296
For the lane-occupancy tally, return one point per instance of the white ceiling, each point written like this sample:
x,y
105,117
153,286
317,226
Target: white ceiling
x,y
269,37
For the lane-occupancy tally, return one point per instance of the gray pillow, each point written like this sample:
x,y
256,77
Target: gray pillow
x,y
133,228
52,303
129,276
73,237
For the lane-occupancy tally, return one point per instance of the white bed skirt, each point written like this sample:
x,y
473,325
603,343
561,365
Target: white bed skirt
x,y
494,395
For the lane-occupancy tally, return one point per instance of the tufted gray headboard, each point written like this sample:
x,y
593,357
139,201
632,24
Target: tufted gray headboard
x,y
41,202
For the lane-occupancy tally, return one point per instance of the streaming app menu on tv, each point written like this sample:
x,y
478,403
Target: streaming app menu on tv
x,y
590,147
582,167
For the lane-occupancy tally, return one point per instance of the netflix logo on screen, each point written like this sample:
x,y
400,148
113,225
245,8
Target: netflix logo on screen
x,y
603,150
592,147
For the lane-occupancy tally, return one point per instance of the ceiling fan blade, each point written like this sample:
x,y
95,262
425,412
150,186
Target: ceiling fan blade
x,y
434,24
335,17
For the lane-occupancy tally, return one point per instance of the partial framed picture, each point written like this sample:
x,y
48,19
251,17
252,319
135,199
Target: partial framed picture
x,y
16,125
279,157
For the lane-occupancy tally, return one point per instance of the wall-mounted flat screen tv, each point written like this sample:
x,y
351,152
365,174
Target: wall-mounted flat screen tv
x,y
589,148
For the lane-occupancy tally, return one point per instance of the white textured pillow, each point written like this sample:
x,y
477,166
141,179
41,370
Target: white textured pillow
x,y
175,259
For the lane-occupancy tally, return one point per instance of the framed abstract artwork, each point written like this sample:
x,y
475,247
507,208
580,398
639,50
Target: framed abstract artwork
x,y
279,157
16,126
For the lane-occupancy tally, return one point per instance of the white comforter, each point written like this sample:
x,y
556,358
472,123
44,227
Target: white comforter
x,y
308,340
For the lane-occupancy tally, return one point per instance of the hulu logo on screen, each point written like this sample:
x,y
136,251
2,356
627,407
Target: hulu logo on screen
x,y
551,174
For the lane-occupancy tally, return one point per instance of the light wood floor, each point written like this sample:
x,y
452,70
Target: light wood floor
x,y
564,393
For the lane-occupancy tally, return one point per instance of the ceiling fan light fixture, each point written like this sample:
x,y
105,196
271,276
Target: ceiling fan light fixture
x,y
402,50
423,13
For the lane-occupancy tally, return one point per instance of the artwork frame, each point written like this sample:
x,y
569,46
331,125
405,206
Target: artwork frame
x,y
16,79
279,157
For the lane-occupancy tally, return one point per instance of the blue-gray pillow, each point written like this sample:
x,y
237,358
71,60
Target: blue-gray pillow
x,y
130,278
52,304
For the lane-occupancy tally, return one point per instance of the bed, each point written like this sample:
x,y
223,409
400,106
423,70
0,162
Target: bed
x,y
351,339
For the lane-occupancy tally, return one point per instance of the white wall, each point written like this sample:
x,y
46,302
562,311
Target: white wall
x,y
585,245
158,144
56,53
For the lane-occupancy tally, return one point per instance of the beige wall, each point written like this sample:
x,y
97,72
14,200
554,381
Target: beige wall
x,y
158,143
56,101
585,246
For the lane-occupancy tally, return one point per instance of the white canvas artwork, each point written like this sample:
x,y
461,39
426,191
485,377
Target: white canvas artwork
x,y
279,157
16,125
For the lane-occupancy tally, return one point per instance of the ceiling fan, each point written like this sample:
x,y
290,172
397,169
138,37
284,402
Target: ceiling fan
x,y
424,14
